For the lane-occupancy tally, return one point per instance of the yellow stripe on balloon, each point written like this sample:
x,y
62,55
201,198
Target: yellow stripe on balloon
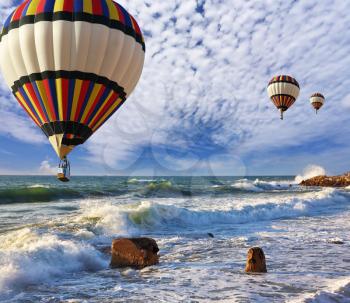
x,y
88,6
43,96
77,89
32,7
58,6
34,105
59,97
24,104
100,109
103,119
113,12
91,100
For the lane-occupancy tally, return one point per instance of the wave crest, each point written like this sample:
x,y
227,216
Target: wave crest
x,y
27,257
130,219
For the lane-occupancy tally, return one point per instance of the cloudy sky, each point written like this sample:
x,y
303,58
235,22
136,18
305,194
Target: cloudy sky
x,y
201,105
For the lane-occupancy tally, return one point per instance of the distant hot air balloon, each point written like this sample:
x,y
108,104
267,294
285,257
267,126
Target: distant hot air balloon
x,y
283,91
71,64
317,100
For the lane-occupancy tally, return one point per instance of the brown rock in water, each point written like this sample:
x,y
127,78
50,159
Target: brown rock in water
x,y
326,181
256,261
134,252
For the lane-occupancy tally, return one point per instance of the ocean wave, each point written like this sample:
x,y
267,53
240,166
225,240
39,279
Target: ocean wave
x,y
128,219
36,194
46,193
137,181
141,188
27,257
310,171
39,186
165,188
258,185
337,291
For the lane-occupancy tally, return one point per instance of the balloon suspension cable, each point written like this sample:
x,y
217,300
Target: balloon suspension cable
x,y
281,113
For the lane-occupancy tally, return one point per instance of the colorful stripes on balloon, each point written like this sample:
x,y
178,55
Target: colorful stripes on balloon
x,y
106,12
283,102
284,78
76,101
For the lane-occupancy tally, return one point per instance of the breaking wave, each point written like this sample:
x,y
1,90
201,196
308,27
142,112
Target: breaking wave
x,y
27,257
310,171
127,219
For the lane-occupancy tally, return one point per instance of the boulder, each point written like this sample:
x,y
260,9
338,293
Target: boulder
x,y
256,262
328,181
134,252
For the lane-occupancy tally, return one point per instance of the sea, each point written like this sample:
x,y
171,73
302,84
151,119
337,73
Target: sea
x,y
53,238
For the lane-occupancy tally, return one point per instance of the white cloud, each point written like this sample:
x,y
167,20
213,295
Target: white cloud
x,y
46,168
205,76
210,70
13,121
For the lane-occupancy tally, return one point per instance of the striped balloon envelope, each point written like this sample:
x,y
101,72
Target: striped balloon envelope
x,y
71,64
317,100
283,91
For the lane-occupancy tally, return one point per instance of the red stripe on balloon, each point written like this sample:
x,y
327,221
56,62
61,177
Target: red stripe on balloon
x,y
18,13
68,6
33,97
65,83
41,7
97,7
120,12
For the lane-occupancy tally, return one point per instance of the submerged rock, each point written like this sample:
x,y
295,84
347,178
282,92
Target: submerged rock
x,y
134,252
256,262
328,181
210,235
338,242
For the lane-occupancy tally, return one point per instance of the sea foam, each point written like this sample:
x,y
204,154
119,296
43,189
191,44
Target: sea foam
x,y
27,257
149,215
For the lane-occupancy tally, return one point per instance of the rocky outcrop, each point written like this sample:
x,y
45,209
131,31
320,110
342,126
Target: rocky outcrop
x,y
134,252
256,262
326,181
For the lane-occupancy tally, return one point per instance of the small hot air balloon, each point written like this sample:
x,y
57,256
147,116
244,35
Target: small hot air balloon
x,y
317,100
71,64
283,91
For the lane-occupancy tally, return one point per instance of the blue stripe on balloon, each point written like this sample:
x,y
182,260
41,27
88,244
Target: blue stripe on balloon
x,y
105,8
49,6
52,84
8,20
41,102
127,18
79,6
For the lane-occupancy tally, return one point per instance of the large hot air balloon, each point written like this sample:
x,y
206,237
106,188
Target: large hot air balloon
x,y
317,101
283,91
71,64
